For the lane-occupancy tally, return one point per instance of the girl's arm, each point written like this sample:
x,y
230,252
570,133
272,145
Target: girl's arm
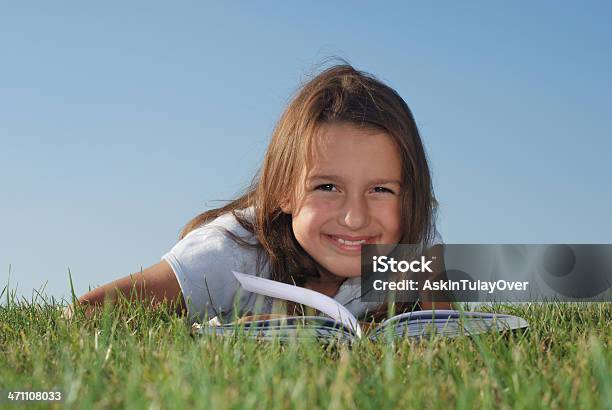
x,y
153,285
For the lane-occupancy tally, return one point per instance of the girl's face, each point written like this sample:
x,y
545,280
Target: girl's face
x,y
349,196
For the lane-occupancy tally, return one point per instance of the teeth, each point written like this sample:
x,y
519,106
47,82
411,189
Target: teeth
x,y
345,242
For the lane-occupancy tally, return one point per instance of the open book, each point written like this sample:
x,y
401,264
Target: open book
x,y
342,324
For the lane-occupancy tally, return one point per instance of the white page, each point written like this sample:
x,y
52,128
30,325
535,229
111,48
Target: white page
x,y
296,294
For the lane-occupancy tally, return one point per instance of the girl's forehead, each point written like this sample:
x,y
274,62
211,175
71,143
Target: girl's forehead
x,y
331,142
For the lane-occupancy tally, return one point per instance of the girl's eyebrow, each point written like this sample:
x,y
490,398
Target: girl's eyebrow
x,y
340,179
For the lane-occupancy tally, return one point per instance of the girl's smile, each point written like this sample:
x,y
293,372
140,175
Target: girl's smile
x,y
348,243
349,196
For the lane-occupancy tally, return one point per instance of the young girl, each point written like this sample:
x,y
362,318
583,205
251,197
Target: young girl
x,y
345,166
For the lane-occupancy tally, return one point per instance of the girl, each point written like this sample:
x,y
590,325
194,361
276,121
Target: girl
x,y
345,166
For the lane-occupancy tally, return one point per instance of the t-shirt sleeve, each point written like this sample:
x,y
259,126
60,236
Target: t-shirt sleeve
x,y
203,262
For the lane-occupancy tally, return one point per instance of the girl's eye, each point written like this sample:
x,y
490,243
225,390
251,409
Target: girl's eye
x,y
331,187
326,187
383,189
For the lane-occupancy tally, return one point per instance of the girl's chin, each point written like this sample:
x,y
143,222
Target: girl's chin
x,y
348,273
342,273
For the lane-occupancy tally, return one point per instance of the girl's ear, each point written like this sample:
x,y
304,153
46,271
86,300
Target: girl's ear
x,y
285,206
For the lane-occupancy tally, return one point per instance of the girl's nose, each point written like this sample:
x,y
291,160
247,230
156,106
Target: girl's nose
x,y
354,213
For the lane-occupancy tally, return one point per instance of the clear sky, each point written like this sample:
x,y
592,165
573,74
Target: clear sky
x,y
121,121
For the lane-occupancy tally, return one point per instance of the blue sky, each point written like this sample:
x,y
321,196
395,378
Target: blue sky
x,y
119,123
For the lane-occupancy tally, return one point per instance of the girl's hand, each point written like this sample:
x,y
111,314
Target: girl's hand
x,y
67,313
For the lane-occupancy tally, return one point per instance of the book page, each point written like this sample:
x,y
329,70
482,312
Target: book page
x,y
297,294
451,323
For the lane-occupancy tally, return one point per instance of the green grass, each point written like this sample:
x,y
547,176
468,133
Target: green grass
x,y
133,357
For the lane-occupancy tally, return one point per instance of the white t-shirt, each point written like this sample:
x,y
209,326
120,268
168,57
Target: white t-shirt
x,y
203,262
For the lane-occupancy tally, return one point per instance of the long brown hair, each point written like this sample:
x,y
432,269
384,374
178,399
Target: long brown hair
x,y
338,93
